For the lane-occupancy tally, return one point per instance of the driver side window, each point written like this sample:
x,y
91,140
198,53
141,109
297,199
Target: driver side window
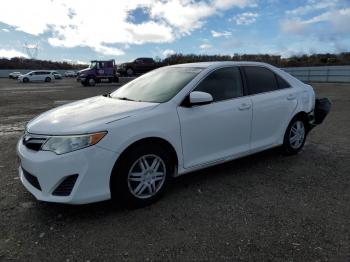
x,y
222,84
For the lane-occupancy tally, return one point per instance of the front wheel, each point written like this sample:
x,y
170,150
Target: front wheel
x,y
129,72
91,81
295,136
25,80
47,79
142,175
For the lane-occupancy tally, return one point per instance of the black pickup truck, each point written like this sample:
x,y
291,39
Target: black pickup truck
x,y
138,66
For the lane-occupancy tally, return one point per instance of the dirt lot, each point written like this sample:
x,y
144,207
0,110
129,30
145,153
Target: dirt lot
x,y
263,207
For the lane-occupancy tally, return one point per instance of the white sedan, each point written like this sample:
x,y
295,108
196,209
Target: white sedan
x,y
128,144
37,76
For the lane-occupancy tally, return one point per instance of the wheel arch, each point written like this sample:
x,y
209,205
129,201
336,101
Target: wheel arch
x,y
147,141
303,116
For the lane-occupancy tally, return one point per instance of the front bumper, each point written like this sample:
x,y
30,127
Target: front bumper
x,y
81,79
93,165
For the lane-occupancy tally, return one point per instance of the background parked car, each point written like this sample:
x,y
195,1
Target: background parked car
x,y
99,71
56,75
14,75
37,76
138,66
70,74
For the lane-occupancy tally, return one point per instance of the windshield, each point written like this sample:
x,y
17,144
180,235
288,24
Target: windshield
x,y
93,64
158,86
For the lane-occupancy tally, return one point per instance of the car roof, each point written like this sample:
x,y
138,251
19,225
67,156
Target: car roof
x,y
217,64
221,63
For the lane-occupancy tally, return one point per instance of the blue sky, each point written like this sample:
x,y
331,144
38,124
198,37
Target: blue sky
x,y
79,31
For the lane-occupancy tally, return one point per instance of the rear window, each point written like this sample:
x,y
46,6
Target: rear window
x,y
260,80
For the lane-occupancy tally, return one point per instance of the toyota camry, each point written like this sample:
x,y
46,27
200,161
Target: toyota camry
x,y
127,145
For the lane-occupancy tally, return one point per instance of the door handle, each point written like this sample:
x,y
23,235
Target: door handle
x,y
244,106
291,97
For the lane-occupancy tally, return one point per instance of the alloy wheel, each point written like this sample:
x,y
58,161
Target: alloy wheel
x,y
146,176
297,134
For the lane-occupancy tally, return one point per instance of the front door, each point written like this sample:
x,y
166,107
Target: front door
x,y
220,129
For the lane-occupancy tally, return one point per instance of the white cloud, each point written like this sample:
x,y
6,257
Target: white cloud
x,y
98,26
339,21
168,52
108,50
225,4
220,34
9,53
245,18
311,6
5,30
205,46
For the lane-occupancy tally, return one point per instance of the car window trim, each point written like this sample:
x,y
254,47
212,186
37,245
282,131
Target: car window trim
x,y
183,102
277,75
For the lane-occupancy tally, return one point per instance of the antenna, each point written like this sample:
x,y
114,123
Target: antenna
x,y
32,50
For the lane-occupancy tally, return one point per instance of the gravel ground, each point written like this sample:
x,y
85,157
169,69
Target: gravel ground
x,y
266,207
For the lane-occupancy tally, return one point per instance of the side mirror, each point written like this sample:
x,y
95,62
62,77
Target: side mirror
x,y
200,98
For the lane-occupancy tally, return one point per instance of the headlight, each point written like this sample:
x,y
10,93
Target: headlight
x,y
64,144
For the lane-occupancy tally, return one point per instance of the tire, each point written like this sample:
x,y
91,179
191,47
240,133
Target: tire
x,y
126,187
91,81
129,72
47,79
25,80
295,136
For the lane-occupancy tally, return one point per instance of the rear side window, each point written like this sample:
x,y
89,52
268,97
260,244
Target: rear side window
x,y
260,80
148,60
282,83
222,84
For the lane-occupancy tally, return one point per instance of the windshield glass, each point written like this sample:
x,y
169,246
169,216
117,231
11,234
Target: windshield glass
x,y
158,86
93,64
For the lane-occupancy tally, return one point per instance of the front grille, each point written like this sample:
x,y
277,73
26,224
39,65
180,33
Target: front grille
x,y
66,187
33,180
34,142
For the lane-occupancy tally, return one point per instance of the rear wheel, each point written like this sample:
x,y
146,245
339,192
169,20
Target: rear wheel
x,y
141,175
295,136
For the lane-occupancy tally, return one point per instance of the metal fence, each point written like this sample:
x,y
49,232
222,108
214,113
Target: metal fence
x,y
340,74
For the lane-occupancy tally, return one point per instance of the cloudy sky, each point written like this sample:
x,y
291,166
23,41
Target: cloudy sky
x,y
78,31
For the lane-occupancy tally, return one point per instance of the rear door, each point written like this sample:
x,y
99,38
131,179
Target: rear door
x,y
274,101
221,129
100,69
36,76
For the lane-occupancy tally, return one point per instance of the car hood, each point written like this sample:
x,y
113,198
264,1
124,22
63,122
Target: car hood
x,y
85,116
84,70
